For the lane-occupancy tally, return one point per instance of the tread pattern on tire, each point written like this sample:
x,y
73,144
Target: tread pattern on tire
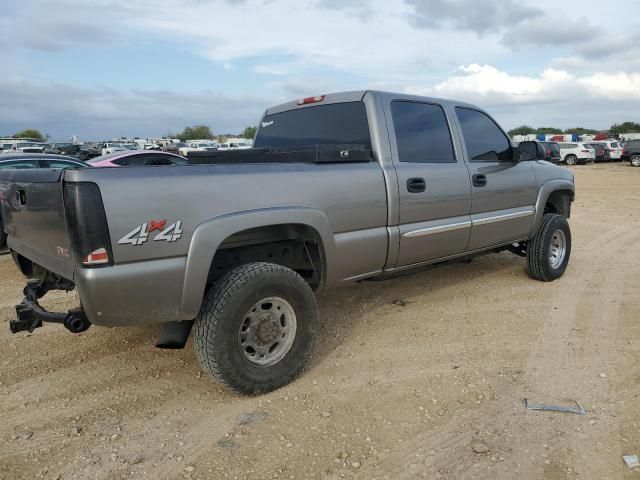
x,y
536,258
211,312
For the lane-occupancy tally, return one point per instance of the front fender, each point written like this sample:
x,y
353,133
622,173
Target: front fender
x,y
546,189
208,236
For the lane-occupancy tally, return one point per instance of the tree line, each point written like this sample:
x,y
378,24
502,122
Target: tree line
x,y
204,132
615,129
196,132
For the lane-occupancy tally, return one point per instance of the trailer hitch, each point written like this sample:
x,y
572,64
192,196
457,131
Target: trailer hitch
x,y
31,315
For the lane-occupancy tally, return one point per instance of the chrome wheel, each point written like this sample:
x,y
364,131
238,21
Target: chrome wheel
x,y
571,160
267,331
635,160
558,249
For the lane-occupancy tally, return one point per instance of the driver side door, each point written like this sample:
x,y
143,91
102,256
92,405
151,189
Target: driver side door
x,y
503,190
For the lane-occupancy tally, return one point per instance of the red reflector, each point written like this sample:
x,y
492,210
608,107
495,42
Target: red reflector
x,y
97,257
306,101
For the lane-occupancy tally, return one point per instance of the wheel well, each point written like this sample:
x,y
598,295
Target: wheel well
x,y
559,202
295,246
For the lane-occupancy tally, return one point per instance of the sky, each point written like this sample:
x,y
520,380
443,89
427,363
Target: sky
x,y
109,68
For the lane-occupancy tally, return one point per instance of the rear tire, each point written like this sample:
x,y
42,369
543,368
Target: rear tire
x,y
549,250
571,160
255,329
635,160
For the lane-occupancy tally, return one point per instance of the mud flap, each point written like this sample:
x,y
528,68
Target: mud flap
x,y
175,334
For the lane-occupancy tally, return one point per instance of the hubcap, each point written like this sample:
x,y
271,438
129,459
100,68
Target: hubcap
x,y
267,331
635,161
558,249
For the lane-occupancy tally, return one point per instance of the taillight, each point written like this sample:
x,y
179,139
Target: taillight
x,y
308,100
97,257
549,151
624,151
87,224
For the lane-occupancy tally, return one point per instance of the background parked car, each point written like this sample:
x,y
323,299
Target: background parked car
x,y
108,148
615,148
136,158
631,152
30,160
552,152
173,147
63,148
234,146
24,147
602,151
576,153
198,146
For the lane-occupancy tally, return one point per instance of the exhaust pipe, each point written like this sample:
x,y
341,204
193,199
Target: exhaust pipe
x,y
76,321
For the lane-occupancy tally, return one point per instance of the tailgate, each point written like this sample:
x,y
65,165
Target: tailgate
x,y
32,208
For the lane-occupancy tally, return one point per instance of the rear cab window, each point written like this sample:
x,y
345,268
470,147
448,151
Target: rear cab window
x,y
422,132
323,125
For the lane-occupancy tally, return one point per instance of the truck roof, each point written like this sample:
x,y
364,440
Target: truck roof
x,y
356,96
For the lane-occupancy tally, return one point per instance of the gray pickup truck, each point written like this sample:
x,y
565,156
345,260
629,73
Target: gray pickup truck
x,y
338,188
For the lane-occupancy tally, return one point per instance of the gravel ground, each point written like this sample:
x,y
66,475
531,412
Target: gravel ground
x,y
421,376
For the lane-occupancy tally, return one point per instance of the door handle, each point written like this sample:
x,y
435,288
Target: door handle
x,y
416,185
479,180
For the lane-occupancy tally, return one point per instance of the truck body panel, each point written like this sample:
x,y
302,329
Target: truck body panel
x,y
394,212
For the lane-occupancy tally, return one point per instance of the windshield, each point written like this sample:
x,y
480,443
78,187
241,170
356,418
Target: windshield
x,y
334,124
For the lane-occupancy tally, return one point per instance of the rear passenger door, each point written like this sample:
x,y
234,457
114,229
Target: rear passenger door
x,y
503,191
433,183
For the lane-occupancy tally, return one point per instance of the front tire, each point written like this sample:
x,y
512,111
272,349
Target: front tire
x,y
255,329
549,250
635,160
571,160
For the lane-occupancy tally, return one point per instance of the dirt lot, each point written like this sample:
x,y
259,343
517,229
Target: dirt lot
x,y
395,390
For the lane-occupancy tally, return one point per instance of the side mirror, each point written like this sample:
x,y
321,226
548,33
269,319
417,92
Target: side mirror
x,y
528,151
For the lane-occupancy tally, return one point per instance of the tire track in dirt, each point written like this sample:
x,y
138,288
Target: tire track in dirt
x,y
458,436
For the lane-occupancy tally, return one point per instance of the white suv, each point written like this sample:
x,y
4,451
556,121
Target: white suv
x,y
615,147
578,152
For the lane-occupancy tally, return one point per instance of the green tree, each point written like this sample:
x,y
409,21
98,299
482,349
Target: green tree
x,y
624,127
521,130
549,130
249,132
581,131
197,132
30,133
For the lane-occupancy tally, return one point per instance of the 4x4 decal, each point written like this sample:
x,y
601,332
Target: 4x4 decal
x,y
140,234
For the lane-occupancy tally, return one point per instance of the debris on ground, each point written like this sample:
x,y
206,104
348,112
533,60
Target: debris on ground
x,y
252,417
400,303
480,447
554,408
631,461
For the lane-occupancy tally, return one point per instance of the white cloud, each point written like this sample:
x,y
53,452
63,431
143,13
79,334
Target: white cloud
x,y
569,58
486,83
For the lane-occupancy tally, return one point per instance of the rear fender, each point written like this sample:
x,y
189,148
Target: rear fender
x,y
208,236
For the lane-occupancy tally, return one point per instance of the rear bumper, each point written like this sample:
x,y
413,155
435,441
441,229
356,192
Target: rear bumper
x,y
132,294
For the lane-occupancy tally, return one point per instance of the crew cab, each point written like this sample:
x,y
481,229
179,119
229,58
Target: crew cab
x,y
338,188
